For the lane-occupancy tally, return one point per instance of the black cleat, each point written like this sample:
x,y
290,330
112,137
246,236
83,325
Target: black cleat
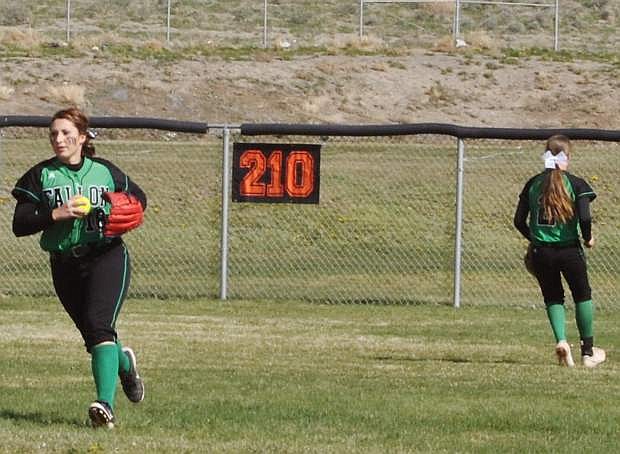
x,y
101,414
133,386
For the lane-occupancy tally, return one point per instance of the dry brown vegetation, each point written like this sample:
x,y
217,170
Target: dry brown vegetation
x,y
402,70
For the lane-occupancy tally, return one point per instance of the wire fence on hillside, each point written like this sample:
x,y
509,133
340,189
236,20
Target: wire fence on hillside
x,y
304,23
403,219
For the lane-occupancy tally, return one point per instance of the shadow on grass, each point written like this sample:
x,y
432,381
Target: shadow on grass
x,y
42,419
379,302
448,359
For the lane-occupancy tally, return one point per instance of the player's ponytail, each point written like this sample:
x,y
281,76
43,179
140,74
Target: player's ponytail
x,y
80,121
557,205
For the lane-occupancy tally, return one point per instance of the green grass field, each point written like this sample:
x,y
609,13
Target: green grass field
x,y
256,376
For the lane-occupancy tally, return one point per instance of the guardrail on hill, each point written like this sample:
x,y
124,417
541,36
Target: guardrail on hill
x,y
414,213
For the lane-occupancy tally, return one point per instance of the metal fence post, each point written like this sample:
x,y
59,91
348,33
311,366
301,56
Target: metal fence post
x,y
459,223
1,155
556,35
457,20
224,228
168,23
68,15
265,25
361,19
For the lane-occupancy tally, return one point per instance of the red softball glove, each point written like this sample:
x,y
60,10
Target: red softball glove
x,y
126,213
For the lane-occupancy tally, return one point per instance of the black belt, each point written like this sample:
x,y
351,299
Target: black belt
x,y
559,245
82,251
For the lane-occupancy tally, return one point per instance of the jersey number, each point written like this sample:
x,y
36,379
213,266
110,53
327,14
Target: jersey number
x,y
541,219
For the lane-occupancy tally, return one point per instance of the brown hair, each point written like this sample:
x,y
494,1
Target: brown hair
x,y
80,121
556,203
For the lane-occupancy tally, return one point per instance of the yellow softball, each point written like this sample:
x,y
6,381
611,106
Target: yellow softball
x,y
84,204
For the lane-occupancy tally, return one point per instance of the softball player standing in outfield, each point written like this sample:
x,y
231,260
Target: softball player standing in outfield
x,y
558,206
89,261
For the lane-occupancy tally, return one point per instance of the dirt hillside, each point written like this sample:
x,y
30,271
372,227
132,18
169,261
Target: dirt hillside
x,y
469,89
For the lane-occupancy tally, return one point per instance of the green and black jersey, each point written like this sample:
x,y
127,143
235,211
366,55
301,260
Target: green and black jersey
x,y
543,231
50,184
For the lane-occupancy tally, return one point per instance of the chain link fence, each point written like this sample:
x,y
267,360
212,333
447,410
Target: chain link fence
x,y
176,256
378,234
495,172
384,230
583,25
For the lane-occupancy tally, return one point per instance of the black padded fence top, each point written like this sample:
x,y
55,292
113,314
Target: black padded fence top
x,y
463,132
111,122
264,129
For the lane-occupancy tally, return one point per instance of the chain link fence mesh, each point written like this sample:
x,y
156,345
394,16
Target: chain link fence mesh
x,y
495,172
383,232
378,234
175,256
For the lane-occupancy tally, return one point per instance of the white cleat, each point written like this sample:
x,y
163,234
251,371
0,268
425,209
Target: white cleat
x,y
598,356
565,357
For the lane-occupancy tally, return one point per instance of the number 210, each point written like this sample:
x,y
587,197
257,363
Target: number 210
x,y
298,173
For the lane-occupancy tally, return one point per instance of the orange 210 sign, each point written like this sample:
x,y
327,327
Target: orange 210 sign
x,y
268,172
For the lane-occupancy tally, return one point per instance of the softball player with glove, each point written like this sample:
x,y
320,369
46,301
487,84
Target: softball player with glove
x,y
89,261
558,206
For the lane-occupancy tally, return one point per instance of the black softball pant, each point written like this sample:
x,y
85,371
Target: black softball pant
x,y
551,263
92,290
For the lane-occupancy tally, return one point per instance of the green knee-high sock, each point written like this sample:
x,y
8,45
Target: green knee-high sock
x,y
557,318
123,362
584,314
104,361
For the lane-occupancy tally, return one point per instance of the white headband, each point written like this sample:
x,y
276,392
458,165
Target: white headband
x,y
551,161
